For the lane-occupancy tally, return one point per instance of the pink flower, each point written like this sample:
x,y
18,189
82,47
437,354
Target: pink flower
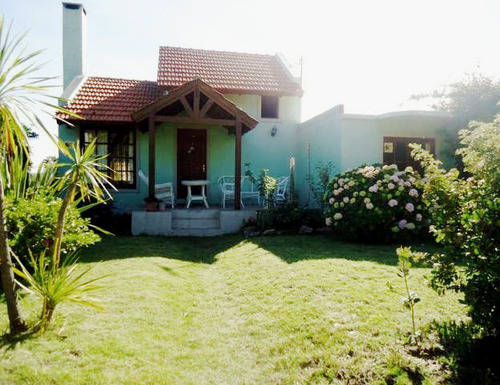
x,y
391,186
393,202
331,201
402,223
413,193
409,207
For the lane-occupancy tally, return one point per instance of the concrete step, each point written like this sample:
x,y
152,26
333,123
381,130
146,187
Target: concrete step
x,y
195,232
196,223
196,213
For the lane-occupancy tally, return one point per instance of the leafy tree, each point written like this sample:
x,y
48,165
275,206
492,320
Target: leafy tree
x,y
475,98
23,94
466,221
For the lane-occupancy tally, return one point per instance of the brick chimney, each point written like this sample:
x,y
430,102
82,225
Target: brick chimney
x,y
74,41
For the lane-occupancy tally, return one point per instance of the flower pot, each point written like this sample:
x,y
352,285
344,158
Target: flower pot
x,y
152,206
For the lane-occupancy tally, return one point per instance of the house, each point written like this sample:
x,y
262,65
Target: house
x,y
207,115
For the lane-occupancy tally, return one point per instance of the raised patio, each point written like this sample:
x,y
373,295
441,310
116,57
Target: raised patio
x,y
190,222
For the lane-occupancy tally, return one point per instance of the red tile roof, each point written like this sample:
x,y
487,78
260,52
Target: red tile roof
x,y
111,100
227,72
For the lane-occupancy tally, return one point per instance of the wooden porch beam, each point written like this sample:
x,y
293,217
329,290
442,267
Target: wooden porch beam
x,y
188,120
205,108
186,105
196,103
237,164
152,145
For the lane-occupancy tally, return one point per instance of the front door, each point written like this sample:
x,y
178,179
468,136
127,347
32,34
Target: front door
x,y
191,157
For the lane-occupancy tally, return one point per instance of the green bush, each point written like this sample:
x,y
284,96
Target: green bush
x,y
31,225
376,204
287,217
466,221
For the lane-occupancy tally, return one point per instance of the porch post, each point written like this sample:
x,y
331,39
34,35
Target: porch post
x,y
151,129
237,165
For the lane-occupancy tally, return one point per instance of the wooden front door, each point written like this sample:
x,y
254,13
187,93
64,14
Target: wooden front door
x,y
191,157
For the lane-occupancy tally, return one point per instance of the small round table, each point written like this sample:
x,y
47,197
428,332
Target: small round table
x,y
196,183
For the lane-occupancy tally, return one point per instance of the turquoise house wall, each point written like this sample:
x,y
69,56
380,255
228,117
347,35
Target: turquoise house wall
x,y
67,135
220,161
363,135
345,140
318,140
259,149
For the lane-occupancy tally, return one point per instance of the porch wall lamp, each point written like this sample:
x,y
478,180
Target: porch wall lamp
x,y
274,130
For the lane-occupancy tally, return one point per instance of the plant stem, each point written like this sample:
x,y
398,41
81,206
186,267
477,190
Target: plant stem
x,y
410,300
16,320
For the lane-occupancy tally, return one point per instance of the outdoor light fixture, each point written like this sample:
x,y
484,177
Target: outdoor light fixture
x,y
274,130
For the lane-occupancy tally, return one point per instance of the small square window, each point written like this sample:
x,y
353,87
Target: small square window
x,y
269,107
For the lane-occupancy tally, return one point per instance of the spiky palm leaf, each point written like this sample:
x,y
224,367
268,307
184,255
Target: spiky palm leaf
x,y
54,285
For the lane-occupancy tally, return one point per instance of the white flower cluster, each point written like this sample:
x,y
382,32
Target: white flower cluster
x,y
392,188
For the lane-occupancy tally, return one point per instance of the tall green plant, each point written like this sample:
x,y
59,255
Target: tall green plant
x,y
318,184
466,221
24,94
266,185
22,90
54,279
85,175
410,298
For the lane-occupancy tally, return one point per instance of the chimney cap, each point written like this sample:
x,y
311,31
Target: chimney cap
x,y
74,6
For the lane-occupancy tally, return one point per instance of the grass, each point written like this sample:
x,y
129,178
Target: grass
x,y
267,310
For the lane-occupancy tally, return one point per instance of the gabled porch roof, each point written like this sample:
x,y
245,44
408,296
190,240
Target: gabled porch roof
x,y
196,102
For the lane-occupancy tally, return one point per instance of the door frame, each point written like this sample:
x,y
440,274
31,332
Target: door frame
x,y
176,173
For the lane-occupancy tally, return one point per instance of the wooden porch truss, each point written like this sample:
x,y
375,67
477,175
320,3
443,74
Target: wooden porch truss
x,y
196,103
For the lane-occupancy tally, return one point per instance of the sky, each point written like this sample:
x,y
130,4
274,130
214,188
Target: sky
x,y
370,56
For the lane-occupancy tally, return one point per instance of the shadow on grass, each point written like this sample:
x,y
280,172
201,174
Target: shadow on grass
x,y
197,250
472,359
290,248
10,342
293,248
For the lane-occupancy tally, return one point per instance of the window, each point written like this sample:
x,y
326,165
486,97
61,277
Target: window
x,y
396,151
120,145
269,107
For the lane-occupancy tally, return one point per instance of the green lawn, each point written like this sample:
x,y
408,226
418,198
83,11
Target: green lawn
x,y
267,310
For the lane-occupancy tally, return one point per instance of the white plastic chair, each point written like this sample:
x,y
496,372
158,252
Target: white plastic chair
x,y
163,191
281,189
249,190
227,186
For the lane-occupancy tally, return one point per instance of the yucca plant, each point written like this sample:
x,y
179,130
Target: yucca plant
x,y
22,92
56,284
85,175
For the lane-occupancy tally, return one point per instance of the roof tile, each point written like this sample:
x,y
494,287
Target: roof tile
x,y
225,71
111,100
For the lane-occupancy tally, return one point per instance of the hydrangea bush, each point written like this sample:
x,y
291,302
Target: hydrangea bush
x,y
376,203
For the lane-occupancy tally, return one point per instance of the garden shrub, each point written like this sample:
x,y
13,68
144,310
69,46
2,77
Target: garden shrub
x,y
287,217
104,216
466,221
31,224
376,204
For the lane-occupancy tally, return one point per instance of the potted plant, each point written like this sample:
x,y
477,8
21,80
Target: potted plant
x,y
152,204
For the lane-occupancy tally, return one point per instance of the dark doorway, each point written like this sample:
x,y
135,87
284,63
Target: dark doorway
x,y
191,157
